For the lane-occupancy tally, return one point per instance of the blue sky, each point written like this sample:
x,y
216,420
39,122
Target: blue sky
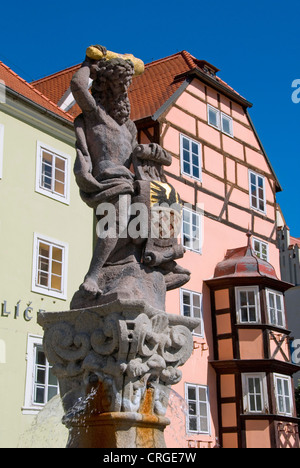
x,y
255,44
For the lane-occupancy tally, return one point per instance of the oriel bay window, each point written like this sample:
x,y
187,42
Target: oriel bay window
x,y
255,399
283,394
247,304
275,304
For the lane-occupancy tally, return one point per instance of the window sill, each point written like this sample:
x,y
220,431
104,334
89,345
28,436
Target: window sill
x,y
270,417
53,196
264,326
198,179
27,410
261,212
50,293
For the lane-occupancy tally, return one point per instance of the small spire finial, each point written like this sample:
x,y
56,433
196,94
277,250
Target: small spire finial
x,y
249,235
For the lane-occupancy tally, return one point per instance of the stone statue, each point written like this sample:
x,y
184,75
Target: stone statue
x,y
117,352
110,165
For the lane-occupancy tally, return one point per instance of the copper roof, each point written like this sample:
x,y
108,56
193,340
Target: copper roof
x,y
148,92
243,262
18,85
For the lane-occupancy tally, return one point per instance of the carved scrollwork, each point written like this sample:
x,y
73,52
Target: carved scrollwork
x,y
180,346
124,352
63,345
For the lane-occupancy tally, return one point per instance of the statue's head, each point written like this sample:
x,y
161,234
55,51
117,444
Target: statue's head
x,y
110,87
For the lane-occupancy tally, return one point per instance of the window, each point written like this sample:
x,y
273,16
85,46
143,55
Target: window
x,y
190,156
191,304
41,383
198,409
1,149
52,175
247,303
49,267
219,120
283,394
257,192
191,230
226,123
255,393
213,117
261,249
275,308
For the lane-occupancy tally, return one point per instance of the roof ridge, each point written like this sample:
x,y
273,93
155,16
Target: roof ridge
x,y
34,89
164,59
186,55
189,58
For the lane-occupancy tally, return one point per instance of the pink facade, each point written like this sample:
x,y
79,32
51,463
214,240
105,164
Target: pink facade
x,y
222,193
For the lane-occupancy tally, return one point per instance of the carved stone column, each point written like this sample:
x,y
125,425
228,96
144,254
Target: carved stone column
x,y
115,364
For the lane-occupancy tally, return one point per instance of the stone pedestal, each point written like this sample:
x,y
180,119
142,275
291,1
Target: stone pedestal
x,y
118,430
116,363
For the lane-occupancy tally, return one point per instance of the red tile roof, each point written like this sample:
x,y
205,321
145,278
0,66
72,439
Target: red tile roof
x,y
20,86
148,91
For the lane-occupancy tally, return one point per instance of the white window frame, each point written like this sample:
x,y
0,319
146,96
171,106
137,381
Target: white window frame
x,y
1,149
263,392
50,192
289,396
219,125
199,166
259,252
217,112
199,235
30,406
256,208
198,402
192,294
35,287
277,293
230,133
253,289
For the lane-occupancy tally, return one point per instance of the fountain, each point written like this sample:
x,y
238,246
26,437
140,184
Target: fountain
x,y
116,352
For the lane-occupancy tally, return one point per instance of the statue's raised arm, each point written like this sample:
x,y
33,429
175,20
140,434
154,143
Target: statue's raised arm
x,y
80,82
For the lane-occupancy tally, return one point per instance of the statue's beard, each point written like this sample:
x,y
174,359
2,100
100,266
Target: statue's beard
x,y
119,109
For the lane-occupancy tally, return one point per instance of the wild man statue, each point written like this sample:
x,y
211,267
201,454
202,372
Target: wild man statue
x,y
112,167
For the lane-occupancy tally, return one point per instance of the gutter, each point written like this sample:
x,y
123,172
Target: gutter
x,y
40,108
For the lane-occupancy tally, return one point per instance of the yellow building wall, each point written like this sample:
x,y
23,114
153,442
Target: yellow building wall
x,y
23,212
